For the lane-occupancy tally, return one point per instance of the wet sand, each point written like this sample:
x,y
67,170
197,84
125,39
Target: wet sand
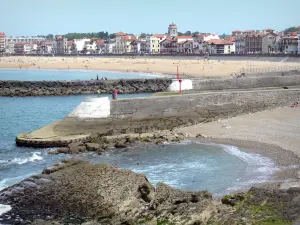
x,y
187,67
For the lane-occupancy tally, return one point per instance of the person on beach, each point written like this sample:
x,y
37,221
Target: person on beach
x,y
99,92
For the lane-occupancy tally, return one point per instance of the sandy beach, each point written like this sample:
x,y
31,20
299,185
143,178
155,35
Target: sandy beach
x,y
187,67
272,133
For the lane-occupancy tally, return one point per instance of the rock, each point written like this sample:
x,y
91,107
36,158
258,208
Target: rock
x,y
80,192
76,147
120,145
63,150
55,152
92,147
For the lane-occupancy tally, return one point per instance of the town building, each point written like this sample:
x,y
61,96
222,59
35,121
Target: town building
x,y
172,30
2,42
136,47
25,48
251,41
153,43
109,46
298,33
219,46
289,43
27,39
45,48
123,43
184,44
197,44
60,45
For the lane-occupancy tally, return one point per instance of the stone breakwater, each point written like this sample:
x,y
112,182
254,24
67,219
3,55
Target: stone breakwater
x,y
44,88
76,192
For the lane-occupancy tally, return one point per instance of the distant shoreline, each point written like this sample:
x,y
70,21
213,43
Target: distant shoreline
x,y
192,67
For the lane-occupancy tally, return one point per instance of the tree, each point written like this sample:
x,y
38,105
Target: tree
x,y
196,33
188,33
50,37
143,35
290,29
180,34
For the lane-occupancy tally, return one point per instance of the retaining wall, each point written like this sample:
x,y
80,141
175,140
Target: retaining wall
x,y
245,82
159,113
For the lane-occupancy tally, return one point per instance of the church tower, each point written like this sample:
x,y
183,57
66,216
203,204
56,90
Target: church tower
x,y
173,30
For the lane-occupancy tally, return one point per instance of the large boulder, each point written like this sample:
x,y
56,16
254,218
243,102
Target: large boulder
x,y
76,191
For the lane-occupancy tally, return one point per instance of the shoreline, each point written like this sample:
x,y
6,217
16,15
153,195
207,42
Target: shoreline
x,y
187,68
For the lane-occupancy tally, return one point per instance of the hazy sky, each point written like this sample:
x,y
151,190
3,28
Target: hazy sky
x,y
32,17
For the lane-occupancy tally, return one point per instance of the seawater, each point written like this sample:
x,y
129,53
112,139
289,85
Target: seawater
x,y
188,165
51,74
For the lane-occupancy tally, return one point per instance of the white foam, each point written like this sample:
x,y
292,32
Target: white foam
x,y
34,158
4,209
6,182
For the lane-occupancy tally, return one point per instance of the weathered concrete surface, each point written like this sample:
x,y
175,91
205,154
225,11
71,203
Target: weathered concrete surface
x,y
40,88
245,82
142,115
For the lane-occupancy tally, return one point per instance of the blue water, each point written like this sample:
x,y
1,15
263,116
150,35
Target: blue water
x,y
24,74
188,165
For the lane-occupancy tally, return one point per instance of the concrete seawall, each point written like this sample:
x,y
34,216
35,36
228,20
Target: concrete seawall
x,y
44,88
158,113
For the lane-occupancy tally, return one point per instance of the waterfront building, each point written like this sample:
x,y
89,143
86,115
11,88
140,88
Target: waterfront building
x,y
25,48
289,43
109,46
219,46
298,33
153,43
250,41
198,44
136,47
2,42
60,45
123,43
27,39
45,47
184,44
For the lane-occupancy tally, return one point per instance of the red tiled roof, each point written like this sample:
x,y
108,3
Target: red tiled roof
x,y
120,34
172,25
160,35
269,29
298,28
236,31
70,43
184,37
219,42
230,38
129,37
2,34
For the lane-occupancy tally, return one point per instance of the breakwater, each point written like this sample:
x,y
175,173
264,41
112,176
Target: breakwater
x,y
57,88
129,86
141,115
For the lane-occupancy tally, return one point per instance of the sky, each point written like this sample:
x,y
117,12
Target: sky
x,y
33,17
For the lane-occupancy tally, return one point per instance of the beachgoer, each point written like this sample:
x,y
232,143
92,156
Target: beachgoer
x,y
99,92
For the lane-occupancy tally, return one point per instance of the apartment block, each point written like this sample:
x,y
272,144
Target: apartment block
x,y
298,34
2,42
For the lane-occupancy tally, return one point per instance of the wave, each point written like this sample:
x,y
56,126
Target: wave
x,y
35,157
6,182
4,209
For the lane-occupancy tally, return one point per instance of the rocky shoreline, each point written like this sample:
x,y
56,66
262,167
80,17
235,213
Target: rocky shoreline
x,y
76,192
99,144
59,88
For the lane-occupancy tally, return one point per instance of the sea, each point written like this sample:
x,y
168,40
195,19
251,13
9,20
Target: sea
x,y
188,165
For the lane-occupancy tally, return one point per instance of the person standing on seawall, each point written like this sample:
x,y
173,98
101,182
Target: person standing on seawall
x,y
99,92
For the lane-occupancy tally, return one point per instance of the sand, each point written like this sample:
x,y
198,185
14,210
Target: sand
x,y
187,67
273,133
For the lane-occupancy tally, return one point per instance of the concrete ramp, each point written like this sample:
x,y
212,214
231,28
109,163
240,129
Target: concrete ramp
x,y
92,108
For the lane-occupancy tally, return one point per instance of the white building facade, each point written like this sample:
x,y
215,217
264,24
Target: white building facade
x,y
298,33
2,42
